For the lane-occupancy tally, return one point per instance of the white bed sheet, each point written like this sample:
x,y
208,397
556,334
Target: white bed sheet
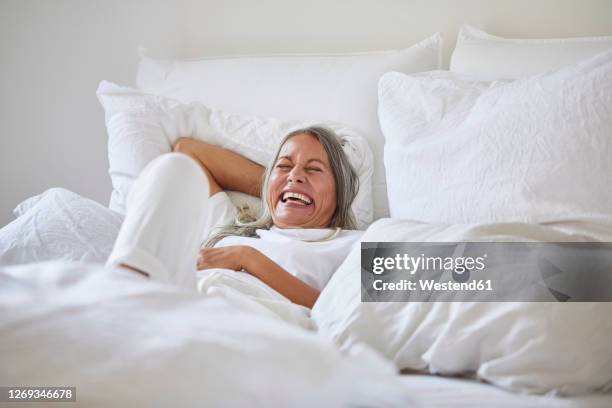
x,y
440,392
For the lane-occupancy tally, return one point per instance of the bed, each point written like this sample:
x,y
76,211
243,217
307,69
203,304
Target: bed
x,y
150,343
123,340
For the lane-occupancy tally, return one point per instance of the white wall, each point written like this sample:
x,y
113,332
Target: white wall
x,y
53,53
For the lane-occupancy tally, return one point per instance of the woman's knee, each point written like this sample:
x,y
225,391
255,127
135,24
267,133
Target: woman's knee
x,y
176,163
213,186
178,169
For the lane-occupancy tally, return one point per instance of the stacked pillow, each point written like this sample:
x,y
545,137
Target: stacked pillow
x,y
462,153
248,103
485,56
533,150
339,88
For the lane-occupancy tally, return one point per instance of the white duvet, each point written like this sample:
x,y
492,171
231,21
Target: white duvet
x,y
123,340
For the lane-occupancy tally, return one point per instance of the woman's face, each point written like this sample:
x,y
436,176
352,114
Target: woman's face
x,y
302,189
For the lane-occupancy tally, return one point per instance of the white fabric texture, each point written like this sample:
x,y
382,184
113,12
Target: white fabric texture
x,y
531,150
30,202
141,127
123,340
550,347
59,224
444,392
487,57
338,88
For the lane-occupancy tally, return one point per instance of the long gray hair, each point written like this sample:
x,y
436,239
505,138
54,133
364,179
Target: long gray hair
x,y
346,180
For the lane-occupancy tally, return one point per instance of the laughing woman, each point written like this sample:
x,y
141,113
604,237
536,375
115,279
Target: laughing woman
x,y
305,230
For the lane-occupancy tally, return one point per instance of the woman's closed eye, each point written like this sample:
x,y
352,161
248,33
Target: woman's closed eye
x,y
309,169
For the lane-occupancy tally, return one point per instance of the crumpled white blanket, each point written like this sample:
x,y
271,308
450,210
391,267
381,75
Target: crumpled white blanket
x,y
123,340
59,224
62,225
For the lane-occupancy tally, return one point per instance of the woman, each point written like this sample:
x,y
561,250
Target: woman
x,y
303,234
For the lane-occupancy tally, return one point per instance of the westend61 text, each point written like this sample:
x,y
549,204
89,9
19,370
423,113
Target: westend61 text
x,y
432,285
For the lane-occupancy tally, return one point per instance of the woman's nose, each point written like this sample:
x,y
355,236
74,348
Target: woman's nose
x,y
296,175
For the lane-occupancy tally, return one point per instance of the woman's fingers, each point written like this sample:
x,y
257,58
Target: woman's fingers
x,y
226,257
204,258
200,261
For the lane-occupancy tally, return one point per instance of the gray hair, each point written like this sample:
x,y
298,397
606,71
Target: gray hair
x,y
346,181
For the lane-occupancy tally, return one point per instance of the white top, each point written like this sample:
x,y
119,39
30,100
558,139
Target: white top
x,y
312,262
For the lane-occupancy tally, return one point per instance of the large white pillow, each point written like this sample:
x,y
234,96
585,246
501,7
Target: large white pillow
x,y
141,127
562,348
486,56
338,88
532,150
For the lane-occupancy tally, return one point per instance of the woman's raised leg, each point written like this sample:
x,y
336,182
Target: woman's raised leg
x,y
165,219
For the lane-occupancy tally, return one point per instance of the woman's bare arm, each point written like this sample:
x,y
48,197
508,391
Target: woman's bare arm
x,y
280,280
225,169
244,257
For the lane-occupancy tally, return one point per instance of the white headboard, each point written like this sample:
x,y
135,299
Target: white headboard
x,y
56,53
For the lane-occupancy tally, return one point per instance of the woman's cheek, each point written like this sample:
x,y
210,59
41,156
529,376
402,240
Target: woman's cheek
x,y
332,198
330,189
273,189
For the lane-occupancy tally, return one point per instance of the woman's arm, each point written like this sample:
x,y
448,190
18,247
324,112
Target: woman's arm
x,y
228,170
272,274
241,257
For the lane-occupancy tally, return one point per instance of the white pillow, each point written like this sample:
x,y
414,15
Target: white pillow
x,y
142,127
317,88
525,347
485,56
533,150
59,224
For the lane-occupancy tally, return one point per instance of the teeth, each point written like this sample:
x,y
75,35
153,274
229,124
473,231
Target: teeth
x,y
302,197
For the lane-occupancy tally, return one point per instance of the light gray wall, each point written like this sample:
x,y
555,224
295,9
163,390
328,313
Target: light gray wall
x,y
53,53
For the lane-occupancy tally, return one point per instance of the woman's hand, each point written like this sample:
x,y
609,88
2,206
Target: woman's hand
x,y
243,257
229,257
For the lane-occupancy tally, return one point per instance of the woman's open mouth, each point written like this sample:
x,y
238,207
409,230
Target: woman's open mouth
x,y
296,200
